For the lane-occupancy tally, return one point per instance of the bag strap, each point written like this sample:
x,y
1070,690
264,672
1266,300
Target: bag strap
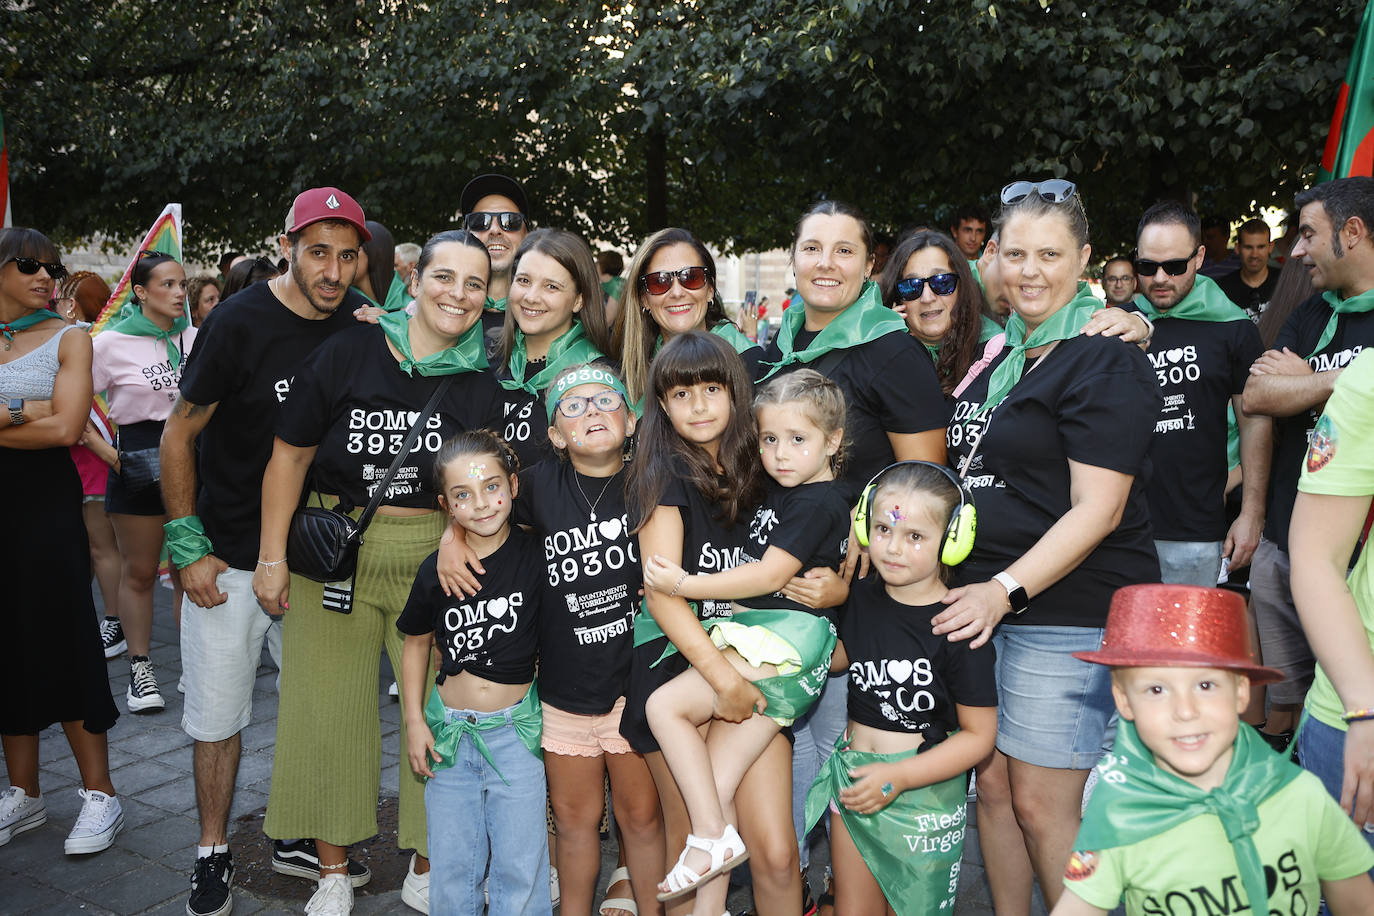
x,y
988,353
411,437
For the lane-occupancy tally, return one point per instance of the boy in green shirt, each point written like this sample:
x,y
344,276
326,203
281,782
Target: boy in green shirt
x,y
1193,813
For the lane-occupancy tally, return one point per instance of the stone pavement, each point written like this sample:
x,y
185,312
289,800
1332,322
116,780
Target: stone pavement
x,y
148,868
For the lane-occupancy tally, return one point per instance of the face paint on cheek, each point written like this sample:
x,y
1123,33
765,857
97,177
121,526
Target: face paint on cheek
x,y
916,546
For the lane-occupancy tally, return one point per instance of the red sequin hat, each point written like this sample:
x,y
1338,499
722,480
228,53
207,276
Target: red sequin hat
x,y
1181,626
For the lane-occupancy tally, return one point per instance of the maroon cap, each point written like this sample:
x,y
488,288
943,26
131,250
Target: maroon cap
x,y
1179,626
326,203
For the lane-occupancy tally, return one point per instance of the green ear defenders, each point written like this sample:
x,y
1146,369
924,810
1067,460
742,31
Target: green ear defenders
x,y
958,541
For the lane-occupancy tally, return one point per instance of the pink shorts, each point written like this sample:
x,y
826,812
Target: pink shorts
x,y
572,735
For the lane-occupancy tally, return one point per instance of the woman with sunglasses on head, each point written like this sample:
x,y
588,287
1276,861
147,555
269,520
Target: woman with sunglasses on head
x,y
137,363
672,290
246,273
57,671
1051,439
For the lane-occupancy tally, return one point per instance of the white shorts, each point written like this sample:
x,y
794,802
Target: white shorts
x,y
221,648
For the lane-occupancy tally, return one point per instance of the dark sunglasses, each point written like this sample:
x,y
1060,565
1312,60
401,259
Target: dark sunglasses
x,y
1175,267
911,288
575,405
1054,190
31,265
481,221
660,281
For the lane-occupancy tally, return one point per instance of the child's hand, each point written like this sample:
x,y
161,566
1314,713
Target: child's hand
x,y
738,701
875,786
420,748
662,575
458,564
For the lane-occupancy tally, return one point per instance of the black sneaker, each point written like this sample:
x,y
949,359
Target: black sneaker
x,y
143,695
299,859
112,637
210,886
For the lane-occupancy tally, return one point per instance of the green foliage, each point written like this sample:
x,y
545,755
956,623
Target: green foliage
x,y
728,118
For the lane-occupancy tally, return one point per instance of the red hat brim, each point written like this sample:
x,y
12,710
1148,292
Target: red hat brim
x,y
1163,658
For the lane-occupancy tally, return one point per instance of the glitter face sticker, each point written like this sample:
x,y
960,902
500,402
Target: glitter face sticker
x,y
895,515
476,471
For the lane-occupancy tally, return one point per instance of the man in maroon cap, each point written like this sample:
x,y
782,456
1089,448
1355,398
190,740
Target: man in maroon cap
x,y
247,353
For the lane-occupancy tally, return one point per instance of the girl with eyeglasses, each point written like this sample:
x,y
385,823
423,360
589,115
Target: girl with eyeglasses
x,y
1051,439
57,671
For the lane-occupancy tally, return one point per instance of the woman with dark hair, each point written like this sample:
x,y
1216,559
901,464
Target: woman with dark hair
x,y
137,363
1293,288
246,273
376,266
203,294
671,290
57,671
928,283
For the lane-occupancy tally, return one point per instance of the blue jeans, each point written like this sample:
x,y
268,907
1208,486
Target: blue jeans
x,y
1321,750
1189,562
814,736
476,820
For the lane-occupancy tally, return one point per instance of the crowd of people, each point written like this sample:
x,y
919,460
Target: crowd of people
x,y
956,530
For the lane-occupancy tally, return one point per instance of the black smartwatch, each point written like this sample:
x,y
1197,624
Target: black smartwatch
x,y
16,411
1020,601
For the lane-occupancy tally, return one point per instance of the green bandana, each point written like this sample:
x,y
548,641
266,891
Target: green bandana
x,y
464,356
587,375
989,330
1204,302
1062,325
397,296
527,718
186,540
1361,303
732,335
867,319
1135,799
370,301
570,349
28,321
133,321
495,305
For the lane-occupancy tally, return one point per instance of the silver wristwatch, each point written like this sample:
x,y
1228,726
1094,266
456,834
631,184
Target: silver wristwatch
x,y
16,411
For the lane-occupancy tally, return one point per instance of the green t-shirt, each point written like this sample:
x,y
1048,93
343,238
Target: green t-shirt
x,y
1303,839
1340,462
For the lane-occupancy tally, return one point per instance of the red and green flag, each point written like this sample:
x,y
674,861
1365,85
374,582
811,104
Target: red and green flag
x,y
164,236
1350,144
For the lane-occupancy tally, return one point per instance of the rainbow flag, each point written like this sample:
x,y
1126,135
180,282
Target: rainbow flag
x,y
1350,142
4,177
165,236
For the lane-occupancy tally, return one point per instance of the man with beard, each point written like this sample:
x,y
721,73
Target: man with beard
x,y
496,210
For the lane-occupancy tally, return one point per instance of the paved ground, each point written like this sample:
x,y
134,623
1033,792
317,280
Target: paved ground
x,y
148,868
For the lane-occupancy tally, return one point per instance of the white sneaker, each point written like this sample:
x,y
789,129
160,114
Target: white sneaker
x,y
20,811
100,819
334,897
143,694
394,691
415,888
112,637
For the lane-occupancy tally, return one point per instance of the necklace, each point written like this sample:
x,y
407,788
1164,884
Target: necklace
x,y
604,487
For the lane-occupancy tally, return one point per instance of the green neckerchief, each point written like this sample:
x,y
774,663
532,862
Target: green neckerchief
x,y
932,349
726,331
398,295
571,348
370,301
867,319
1136,799
27,321
1062,325
527,717
464,356
495,305
186,540
989,330
1360,303
977,277
133,321
1204,302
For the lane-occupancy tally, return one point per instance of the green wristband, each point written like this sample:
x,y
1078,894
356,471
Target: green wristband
x,y
186,540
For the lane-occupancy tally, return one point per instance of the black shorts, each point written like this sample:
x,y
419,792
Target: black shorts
x,y
119,500
644,680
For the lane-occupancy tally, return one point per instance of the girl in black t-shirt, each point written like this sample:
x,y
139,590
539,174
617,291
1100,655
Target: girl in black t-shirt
x,y
922,710
476,735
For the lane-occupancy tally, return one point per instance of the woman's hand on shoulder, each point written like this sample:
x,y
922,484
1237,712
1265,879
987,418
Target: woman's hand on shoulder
x,y
663,575
458,566
1117,322
368,314
818,587
973,613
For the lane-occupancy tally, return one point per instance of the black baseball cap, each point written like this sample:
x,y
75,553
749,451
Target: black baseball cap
x,y
492,183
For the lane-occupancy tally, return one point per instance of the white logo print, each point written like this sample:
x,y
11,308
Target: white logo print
x,y
332,202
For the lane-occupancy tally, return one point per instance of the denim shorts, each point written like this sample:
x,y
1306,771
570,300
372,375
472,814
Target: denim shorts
x,y
1052,709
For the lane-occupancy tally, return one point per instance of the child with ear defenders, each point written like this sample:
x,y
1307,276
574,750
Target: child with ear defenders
x,y
1193,812
922,709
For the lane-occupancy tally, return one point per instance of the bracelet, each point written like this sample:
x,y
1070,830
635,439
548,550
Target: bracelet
x,y
1358,715
272,565
681,579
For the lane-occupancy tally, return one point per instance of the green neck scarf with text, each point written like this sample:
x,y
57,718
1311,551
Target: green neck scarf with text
x,y
466,355
1360,303
867,319
1204,302
133,321
1136,799
570,349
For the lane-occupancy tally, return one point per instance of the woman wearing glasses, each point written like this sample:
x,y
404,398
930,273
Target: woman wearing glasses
x,y
57,673
672,290
1052,438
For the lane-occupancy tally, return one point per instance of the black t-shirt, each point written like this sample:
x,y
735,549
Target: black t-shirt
x,y
889,386
525,420
1254,299
810,522
1199,365
592,579
1094,401
1300,333
904,678
352,400
245,357
493,634
708,544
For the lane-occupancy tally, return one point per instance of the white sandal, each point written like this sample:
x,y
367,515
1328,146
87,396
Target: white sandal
x,y
726,851
618,903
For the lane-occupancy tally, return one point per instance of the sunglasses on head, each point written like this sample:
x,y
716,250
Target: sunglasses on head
x,y
660,281
31,265
1175,267
1054,190
911,288
575,405
481,221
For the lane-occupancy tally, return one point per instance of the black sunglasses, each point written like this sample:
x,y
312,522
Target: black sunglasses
x,y
1054,190
660,281
31,265
1175,267
481,221
911,288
